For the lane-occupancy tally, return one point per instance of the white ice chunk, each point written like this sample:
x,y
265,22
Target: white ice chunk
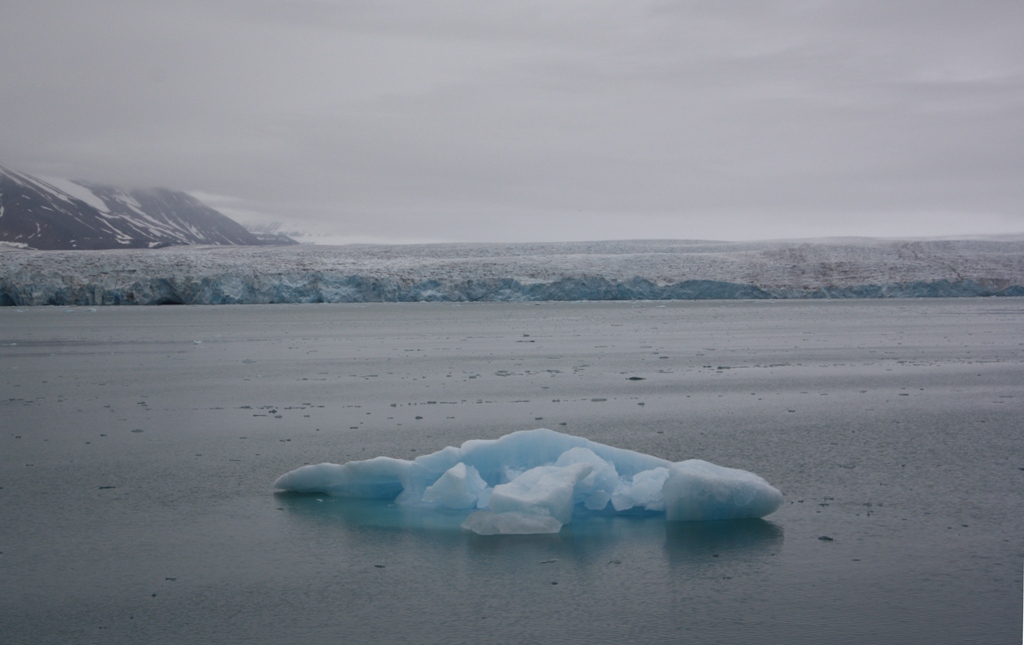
x,y
622,500
506,474
440,461
485,497
520,451
544,490
598,500
381,477
459,487
698,490
646,489
510,523
602,479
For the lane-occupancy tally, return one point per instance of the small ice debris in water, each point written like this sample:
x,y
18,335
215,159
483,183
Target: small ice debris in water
x,y
534,481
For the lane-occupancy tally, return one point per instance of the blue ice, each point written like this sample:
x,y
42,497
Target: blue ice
x,y
534,481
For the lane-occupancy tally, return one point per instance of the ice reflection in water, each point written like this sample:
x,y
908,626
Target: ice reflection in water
x,y
682,541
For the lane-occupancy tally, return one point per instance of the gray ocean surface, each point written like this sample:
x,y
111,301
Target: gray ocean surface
x,y
139,445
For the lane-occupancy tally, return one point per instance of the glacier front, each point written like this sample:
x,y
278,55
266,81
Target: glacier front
x,y
534,481
565,271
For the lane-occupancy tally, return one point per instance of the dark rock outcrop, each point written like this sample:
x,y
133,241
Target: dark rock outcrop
x,y
63,215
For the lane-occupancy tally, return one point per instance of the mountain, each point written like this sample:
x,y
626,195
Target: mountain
x,y
57,214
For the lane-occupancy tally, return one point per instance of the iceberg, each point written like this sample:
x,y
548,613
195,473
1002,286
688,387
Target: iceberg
x,y
535,481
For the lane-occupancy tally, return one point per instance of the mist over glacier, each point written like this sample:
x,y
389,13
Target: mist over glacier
x,y
619,270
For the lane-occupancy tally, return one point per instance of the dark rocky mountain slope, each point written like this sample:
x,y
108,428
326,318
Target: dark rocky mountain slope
x,y
56,214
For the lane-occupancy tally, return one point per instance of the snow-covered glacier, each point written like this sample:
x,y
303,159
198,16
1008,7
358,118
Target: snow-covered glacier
x,y
534,481
620,270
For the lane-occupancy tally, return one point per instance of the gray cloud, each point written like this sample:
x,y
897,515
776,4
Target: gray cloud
x,y
534,120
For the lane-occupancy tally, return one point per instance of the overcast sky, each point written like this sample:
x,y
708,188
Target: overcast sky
x,y
534,121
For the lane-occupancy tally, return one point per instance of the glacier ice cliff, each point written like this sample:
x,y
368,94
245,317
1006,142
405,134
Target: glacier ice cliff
x,y
628,270
534,481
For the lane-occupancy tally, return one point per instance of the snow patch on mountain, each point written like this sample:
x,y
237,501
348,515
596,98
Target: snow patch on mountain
x,y
77,191
52,214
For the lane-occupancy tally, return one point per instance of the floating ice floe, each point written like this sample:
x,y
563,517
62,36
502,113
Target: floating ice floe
x,y
534,481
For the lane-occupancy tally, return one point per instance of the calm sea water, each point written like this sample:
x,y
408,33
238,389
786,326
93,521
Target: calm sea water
x,y
138,447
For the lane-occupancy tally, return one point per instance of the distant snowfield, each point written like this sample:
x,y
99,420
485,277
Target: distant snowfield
x,y
615,270
77,191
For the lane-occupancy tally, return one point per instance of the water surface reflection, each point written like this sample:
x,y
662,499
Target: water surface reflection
x,y
587,536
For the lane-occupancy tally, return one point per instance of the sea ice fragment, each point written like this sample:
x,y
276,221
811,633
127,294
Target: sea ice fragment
x,y
698,490
510,523
534,481
646,488
544,490
459,487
